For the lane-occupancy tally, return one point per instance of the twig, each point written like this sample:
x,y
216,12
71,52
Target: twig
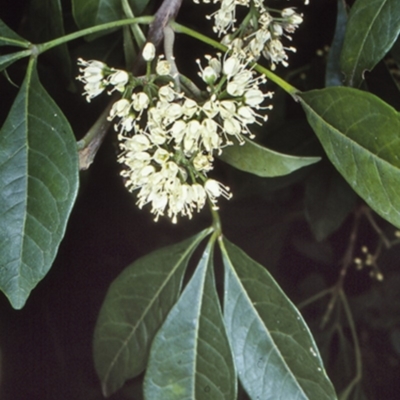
x,y
91,142
346,262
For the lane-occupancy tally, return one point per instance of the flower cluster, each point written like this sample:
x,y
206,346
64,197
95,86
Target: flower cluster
x,y
97,76
260,33
168,139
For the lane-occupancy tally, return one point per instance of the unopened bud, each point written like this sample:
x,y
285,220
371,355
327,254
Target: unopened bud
x,y
149,52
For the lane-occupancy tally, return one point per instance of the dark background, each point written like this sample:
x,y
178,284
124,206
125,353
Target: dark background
x,y
46,348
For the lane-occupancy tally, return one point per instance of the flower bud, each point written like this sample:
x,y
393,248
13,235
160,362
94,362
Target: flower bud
x,y
149,52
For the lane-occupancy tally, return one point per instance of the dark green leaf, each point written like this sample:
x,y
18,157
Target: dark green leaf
x,y
94,12
261,161
190,357
275,354
360,134
135,307
372,29
9,38
38,186
333,75
9,59
328,200
45,23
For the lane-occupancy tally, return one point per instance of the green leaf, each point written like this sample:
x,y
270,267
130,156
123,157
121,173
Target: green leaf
x,y
136,305
360,134
190,357
38,186
372,29
333,74
94,12
328,200
45,23
263,162
275,354
8,59
9,38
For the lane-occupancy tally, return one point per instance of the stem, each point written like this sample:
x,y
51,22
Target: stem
x,y
357,350
314,298
347,261
90,143
259,68
199,36
169,39
41,48
216,221
276,79
135,28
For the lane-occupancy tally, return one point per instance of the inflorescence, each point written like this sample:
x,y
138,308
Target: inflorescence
x,y
169,137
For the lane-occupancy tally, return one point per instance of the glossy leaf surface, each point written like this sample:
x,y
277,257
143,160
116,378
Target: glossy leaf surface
x,y
136,305
263,162
9,38
360,134
275,354
38,186
372,28
94,12
190,357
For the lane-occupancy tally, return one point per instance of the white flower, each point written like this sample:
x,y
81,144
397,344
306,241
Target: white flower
x,y
93,71
93,89
118,79
214,189
232,66
161,156
254,97
120,108
163,67
140,101
202,163
93,76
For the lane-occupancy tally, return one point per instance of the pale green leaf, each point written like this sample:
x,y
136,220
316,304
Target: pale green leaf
x,y
190,357
261,161
360,134
9,38
38,186
274,351
372,28
136,305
